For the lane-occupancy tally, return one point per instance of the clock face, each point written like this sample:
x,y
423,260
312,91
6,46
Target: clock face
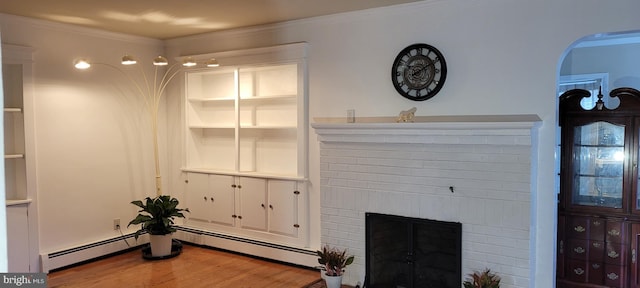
x,y
418,72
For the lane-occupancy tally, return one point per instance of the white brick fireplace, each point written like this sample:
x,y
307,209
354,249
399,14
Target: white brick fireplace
x,y
475,170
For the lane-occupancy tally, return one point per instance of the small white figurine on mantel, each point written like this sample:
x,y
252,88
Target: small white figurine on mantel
x,y
407,116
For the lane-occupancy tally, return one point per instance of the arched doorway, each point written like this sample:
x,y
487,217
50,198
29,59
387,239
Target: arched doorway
x,y
596,63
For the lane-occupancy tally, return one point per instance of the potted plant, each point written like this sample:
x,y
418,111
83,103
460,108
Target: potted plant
x,y
333,262
484,279
156,218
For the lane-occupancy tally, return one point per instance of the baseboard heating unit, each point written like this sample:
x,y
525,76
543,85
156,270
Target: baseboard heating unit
x,y
76,255
278,252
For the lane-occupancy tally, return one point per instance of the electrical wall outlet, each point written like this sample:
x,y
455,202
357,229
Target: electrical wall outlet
x,y
351,116
116,224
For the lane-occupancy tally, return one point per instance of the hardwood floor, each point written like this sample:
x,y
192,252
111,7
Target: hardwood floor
x,y
195,267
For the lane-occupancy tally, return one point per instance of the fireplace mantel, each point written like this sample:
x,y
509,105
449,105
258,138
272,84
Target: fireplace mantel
x,y
430,129
411,169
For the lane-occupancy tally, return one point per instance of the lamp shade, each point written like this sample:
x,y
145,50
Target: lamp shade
x,y
160,61
128,60
82,64
212,63
188,62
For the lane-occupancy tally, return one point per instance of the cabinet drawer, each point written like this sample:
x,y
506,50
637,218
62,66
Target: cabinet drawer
x,y
596,229
614,276
578,249
595,272
616,254
586,228
596,251
577,271
587,250
577,227
615,232
585,272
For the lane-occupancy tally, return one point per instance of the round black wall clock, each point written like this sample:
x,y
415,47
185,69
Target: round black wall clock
x,y
418,72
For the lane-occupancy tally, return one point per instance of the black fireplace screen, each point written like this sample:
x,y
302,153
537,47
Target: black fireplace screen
x,y
403,252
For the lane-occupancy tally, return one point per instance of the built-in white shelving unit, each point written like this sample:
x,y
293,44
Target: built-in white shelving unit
x,y
246,144
246,120
19,160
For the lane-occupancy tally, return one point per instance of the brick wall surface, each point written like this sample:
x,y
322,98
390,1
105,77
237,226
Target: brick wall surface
x,y
484,184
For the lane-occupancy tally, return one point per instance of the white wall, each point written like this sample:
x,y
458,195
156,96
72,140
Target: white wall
x,y
93,150
503,58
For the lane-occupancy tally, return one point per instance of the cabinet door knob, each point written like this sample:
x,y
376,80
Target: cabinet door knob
x,y
239,186
296,225
262,205
239,217
205,198
234,216
186,181
296,192
233,185
270,206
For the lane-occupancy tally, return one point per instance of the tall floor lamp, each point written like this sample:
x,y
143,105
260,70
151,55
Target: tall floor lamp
x,y
151,90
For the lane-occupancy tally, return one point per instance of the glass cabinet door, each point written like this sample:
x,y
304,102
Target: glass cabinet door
x,y
598,152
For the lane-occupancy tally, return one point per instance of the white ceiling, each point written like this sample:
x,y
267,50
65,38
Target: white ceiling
x,y
164,19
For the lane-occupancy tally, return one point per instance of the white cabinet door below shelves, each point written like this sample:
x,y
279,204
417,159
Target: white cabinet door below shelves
x,y
18,238
210,199
252,194
257,208
283,207
222,199
197,198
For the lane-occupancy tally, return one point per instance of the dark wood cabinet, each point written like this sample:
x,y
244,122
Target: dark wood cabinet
x,y
599,207
634,271
595,250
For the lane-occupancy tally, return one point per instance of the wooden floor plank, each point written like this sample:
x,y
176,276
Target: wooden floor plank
x,y
194,267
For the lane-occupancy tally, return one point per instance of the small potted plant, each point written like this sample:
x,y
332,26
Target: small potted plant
x,y
484,279
156,218
333,263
